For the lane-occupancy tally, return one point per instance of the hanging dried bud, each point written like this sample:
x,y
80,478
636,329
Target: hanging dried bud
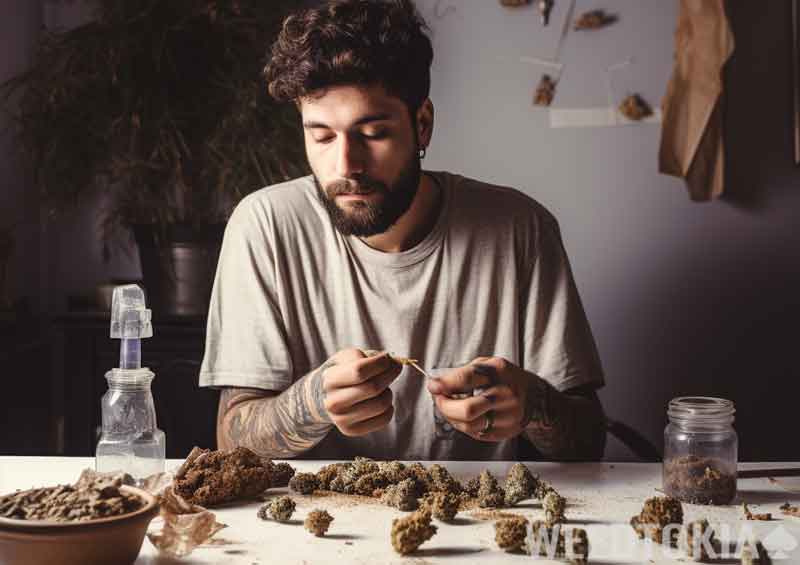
x,y
594,19
634,107
545,91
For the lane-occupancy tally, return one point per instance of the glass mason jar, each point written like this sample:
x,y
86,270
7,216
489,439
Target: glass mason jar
x,y
700,450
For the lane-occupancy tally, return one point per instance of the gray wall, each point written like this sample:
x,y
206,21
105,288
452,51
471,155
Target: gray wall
x,y
684,298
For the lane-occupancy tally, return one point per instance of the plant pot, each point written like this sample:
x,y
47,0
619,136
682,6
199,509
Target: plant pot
x,y
179,272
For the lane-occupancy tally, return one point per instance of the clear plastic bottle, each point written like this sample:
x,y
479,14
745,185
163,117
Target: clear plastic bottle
x,y
700,450
131,441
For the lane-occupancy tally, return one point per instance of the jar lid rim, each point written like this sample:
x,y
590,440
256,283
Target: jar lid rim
x,y
701,407
142,375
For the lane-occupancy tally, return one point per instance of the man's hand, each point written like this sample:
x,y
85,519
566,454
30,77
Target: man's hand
x,y
498,411
357,394
350,390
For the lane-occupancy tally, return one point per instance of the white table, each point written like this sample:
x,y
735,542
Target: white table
x,y
601,499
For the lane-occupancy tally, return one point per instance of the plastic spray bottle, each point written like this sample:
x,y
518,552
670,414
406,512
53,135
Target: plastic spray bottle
x,y
130,441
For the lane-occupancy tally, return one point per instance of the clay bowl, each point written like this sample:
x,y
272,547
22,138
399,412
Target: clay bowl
x,y
116,539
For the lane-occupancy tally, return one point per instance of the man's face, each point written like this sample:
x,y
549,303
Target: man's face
x,y
364,153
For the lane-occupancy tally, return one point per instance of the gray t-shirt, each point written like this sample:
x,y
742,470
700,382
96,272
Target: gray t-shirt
x,y
491,279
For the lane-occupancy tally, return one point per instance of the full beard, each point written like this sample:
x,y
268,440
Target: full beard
x,y
366,218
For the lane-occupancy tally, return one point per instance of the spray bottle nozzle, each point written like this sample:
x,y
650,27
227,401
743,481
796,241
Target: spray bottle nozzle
x,y
130,322
129,317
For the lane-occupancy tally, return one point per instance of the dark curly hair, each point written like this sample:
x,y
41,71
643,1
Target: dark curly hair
x,y
352,42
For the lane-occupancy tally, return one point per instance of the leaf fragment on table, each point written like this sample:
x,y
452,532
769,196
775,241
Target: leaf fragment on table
x,y
790,510
750,516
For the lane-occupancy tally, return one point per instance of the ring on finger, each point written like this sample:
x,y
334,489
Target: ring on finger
x,y
488,425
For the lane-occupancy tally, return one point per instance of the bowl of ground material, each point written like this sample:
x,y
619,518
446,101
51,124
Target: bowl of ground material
x,y
88,523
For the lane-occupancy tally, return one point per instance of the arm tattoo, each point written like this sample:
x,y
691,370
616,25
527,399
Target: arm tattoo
x,y
567,426
275,425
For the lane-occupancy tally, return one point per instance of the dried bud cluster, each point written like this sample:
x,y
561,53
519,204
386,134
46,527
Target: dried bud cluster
x,y
443,505
280,474
304,483
511,533
402,496
658,513
490,494
280,509
545,91
317,522
636,108
594,19
208,478
520,484
442,481
412,531
554,505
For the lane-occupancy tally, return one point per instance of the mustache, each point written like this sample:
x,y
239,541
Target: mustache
x,y
350,186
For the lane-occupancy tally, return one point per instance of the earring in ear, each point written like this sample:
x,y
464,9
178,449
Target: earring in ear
x,y
422,152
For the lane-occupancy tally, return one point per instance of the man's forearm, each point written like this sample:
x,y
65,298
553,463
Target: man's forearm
x,y
280,426
566,426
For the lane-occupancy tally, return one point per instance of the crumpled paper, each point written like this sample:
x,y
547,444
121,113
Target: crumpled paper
x,y
691,136
185,525
156,484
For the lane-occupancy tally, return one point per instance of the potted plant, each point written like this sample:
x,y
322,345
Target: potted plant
x,y
161,105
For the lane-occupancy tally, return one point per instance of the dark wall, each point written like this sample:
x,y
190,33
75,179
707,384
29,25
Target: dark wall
x,y
752,340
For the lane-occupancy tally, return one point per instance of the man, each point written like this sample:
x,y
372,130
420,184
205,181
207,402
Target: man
x,y
370,253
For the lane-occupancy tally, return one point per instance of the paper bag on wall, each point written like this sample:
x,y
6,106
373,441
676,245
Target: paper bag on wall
x,y
691,134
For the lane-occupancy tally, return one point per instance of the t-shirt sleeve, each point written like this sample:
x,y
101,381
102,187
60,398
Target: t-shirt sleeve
x,y
246,343
558,344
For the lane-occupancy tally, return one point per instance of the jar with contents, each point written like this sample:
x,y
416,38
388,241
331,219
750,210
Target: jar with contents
x,y
700,450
